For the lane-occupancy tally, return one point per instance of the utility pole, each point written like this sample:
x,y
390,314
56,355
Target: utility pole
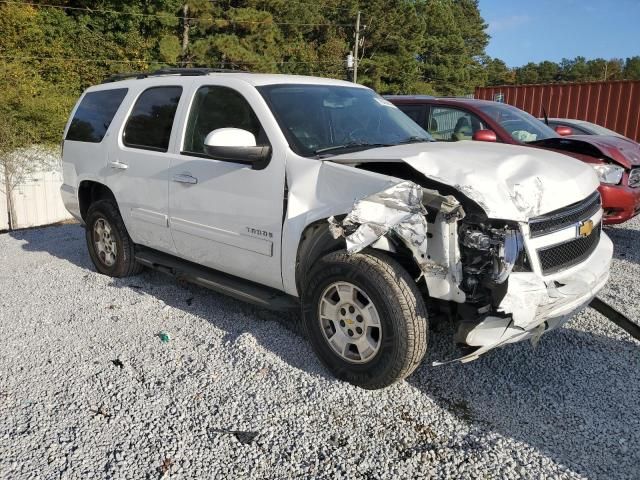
x,y
185,33
355,50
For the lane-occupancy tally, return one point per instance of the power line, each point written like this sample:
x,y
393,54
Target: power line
x,y
320,4
157,15
71,59
111,60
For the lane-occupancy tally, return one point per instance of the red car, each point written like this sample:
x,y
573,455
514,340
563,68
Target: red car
x,y
616,160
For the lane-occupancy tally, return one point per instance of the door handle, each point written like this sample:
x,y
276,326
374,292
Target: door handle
x,y
185,178
118,165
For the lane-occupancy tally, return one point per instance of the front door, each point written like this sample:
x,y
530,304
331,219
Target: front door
x,y
225,215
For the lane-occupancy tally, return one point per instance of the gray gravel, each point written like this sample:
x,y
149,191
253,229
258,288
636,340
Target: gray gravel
x,y
89,390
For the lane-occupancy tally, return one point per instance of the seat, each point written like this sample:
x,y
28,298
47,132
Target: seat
x,y
462,130
433,130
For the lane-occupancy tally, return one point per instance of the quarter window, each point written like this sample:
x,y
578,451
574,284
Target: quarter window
x,y
94,115
151,120
219,107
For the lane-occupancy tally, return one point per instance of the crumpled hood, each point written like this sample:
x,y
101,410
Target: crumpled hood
x,y
509,182
595,148
623,151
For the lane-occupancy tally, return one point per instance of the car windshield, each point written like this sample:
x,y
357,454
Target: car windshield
x,y
324,120
520,125
598,130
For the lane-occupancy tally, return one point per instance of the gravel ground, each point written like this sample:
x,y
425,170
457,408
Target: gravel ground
x,y
89,389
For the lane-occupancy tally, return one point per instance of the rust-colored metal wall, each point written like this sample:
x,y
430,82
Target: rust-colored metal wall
x,y
615,104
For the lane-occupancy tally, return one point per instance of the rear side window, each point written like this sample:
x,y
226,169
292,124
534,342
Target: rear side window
x,y
94,114
451,125
151,120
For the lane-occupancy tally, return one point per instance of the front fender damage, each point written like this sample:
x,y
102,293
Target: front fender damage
x,y
402,213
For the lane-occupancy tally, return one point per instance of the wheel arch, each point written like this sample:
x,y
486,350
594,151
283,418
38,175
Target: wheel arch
x,y
317,241
90,191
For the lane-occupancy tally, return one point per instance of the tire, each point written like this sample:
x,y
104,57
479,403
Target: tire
x,y
400,343
115,256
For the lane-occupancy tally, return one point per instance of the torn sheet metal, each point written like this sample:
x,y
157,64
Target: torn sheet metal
x,y
399,209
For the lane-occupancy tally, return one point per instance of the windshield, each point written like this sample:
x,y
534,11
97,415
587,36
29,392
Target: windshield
x,y
322,120
520,125
598,130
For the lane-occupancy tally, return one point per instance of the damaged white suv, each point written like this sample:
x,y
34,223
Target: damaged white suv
x,y
288,191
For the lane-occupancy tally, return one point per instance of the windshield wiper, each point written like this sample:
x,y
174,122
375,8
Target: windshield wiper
x,y
351,145
414,139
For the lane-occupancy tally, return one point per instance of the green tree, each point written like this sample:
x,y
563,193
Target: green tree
x,y
392,41
498,73
472,27
527,74
632,68
548,72
444,55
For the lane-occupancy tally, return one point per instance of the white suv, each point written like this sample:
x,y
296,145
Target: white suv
x,y
291,191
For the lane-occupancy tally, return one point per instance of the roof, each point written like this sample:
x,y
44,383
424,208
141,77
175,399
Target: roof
x,y
255,79
570,120
421,98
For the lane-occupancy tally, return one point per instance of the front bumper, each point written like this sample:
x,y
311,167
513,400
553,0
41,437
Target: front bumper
x,y
620,203
534,305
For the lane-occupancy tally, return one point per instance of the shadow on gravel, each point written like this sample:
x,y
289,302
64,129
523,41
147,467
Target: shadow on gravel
x,y
625,241
235,317
62,241
67,242
573,397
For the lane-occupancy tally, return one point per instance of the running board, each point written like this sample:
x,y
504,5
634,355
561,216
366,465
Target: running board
x,y
224,283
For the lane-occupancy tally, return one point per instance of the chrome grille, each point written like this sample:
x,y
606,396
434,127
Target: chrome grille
x,y
566,217
634,178
568,254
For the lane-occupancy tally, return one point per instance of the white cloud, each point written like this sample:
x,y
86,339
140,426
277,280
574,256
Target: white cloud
x,y
508,23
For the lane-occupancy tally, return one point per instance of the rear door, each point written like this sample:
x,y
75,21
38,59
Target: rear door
x,y
138,166
226,215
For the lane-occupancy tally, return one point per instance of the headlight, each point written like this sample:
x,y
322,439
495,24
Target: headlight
x,y
507,256
609,174
494,251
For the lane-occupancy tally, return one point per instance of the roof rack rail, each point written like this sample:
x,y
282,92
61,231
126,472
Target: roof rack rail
x,y
186,72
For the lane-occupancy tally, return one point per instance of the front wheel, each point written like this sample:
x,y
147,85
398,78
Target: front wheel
x,y
365,318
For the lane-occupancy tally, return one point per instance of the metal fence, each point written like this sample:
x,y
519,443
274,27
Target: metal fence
x,y
613,104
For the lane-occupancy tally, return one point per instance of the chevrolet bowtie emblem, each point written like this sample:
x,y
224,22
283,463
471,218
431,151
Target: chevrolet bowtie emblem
x,y
585,228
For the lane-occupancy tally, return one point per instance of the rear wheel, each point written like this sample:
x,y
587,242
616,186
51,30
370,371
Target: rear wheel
x,y
365,318
110,247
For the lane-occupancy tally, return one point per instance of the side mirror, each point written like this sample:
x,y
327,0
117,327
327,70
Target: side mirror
x,y
485,136
563,131
235,145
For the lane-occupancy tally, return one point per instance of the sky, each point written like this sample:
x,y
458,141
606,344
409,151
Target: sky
x,y
536,30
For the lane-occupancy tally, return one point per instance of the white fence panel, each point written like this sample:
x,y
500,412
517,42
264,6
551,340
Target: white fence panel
x,y
37,200
4,216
